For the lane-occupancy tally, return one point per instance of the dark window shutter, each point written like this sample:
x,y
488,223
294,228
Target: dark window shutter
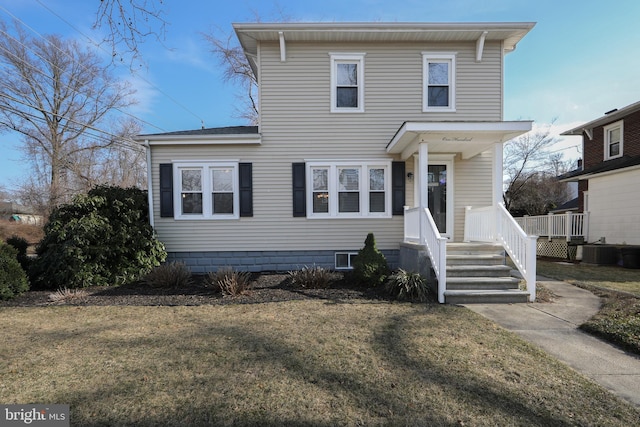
x,y
246,189
166,190
299,190
397,188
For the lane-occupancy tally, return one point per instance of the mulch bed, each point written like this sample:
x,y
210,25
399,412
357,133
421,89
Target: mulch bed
x,y
265,288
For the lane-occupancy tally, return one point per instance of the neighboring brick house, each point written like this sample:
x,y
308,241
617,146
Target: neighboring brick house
x,y
608,181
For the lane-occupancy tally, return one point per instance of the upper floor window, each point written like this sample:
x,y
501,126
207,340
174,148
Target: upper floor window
x,y
439,70
206,190
613,140
349,189
347,82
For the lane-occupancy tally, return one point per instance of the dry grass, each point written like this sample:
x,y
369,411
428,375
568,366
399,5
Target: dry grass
x,y
291,363
31,233
599,276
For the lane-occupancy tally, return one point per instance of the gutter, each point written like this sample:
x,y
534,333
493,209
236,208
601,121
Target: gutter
x,y
149,182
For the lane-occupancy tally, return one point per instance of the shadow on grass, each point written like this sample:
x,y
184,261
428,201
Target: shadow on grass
x,y
381,380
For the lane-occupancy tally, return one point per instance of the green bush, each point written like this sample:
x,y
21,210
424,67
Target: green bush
x,y
171,275
370,267
21,245
229,281
102,238
13,279
311,277
408,286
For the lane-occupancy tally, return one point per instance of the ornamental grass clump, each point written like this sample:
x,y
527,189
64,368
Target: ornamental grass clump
x,y
408,286
170,275
68,296
370,267
229,281
314,277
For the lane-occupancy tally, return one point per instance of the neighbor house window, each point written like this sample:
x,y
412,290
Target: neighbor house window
x,y
347,82
439,81
207,190
613,140
349,189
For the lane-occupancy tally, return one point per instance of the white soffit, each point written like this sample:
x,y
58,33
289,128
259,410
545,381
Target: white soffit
x,y
467,138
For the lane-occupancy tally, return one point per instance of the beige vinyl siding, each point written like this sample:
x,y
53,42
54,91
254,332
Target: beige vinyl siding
x,y
297,125
473,187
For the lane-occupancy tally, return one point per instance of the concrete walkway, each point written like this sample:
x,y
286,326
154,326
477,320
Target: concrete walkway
x,y
553,327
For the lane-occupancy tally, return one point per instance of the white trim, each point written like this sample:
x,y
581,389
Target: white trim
x,y
480,46
149,183
333,188
206,168
619,124
349,58
204,140
450,58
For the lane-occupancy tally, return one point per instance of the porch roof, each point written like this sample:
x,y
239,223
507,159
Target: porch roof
x,y
467,138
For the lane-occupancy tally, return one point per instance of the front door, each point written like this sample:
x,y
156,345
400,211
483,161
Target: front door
x,y
437,192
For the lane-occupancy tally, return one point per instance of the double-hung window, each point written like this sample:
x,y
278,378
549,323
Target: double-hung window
x,y
347,82
349,189
613,140
206,190
439,89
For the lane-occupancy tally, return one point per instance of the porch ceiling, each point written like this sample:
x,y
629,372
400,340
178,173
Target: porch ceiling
x,y
466,138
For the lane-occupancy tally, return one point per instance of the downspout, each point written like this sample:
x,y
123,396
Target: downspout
x,y
149,182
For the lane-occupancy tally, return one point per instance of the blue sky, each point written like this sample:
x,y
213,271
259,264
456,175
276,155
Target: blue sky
x,y
581,59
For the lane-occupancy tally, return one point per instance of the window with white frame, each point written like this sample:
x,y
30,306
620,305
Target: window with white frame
x,y
206,190
347,82
349,189
439,90
344,260
613,140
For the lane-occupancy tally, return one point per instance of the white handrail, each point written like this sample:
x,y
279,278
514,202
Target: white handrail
x,y
520,247
568,225
495,224
420,228
437,249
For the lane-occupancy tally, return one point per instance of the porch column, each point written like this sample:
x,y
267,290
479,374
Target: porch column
x,y
423,174
497,173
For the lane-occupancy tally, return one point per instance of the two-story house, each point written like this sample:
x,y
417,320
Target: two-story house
x,y
390,128
608,181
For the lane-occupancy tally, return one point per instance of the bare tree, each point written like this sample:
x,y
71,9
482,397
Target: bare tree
x,y
59,97
129,23
236,70
523,157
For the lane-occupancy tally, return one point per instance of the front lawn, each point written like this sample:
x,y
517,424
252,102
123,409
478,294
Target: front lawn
x,y
308,362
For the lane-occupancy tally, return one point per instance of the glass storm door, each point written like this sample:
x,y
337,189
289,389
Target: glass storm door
x,y
437,193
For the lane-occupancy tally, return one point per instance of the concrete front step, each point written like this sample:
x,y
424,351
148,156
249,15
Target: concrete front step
x,y
478,270
482,283
485,297
473,248
467,259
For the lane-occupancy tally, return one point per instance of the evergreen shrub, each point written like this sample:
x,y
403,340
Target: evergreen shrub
x,y
370,267
13,279
102,238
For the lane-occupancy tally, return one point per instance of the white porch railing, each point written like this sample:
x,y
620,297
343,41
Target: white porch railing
x,y
419,227
495,224
568,225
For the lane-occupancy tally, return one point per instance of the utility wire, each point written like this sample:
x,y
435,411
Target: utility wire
x,y
99,46
24,62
